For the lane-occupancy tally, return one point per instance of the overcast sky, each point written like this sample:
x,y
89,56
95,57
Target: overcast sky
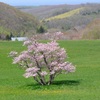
x,y
46,2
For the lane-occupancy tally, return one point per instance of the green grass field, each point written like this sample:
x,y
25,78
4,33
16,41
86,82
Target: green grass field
x,y
84,84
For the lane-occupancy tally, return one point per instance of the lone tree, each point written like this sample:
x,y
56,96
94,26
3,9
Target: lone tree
x,y
43,61
40,29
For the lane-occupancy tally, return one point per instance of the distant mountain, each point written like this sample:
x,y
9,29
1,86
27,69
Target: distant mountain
x,y
14,22
42,12
65,17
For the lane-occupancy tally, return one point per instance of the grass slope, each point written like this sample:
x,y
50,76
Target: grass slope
x,y
84,84
65,15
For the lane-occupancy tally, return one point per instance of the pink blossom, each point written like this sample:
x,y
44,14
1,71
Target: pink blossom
x,y
27,42
32,70
20,58
30,65
57,68
27,75
54,63
13,53
52,72
16,60
34,74
62,64
69,68
43,73
31,48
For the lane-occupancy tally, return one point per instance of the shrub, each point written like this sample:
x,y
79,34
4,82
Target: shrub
x,y
42,61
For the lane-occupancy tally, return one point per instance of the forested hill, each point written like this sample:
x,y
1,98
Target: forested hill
x,y
65,17
46,11
15,22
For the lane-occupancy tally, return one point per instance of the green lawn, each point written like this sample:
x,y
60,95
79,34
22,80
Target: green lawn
x,y
84,84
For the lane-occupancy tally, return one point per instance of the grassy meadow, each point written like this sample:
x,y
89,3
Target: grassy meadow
x,y
84,84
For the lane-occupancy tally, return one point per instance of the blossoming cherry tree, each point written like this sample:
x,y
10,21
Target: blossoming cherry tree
x,y
43,61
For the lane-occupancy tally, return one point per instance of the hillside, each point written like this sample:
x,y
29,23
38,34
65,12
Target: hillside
x,y
83,18
42,12
65,17
70,19
92,30
15,22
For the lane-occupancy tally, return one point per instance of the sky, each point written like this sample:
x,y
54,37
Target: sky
x,y
46,2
